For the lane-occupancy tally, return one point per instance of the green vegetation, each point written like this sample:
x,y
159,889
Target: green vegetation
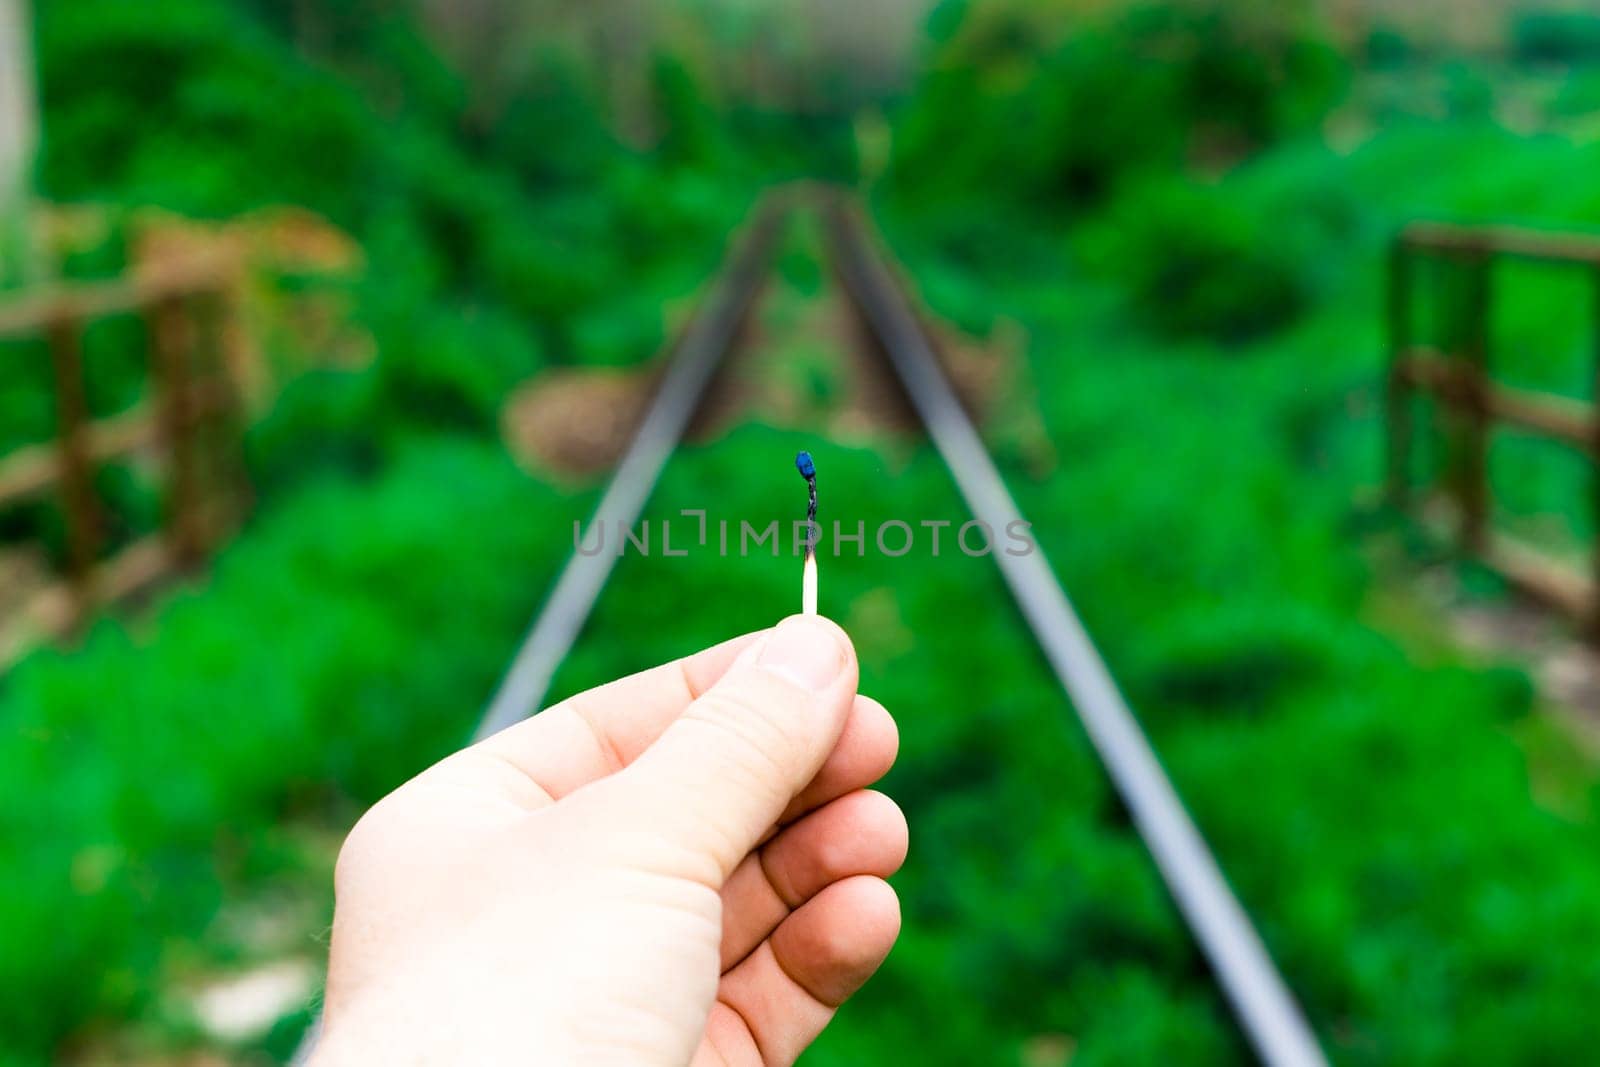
x,y
1199,276
1208,352
492,251
1145,88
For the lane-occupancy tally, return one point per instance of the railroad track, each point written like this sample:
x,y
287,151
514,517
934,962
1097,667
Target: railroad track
x,y
1261,1001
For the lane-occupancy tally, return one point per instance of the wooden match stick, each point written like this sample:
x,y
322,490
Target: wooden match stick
x,y
808,573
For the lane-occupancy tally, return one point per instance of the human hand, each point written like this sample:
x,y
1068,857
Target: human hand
x,y
683,866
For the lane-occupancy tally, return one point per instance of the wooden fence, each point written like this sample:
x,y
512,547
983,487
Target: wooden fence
x,y
1471,401
191,422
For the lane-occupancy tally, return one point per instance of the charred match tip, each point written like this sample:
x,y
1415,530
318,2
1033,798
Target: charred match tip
x,y
803,464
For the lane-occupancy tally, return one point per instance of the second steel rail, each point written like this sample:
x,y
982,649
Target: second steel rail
x,y
1261,1001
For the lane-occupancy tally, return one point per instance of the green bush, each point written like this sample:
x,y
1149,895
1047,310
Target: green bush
x,y
453,368
1378,807
1556,37
239,124
321,422
493,245
1142,89
1197,261
1388,48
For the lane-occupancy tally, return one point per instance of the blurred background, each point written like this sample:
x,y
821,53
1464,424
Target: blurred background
x,y
322,321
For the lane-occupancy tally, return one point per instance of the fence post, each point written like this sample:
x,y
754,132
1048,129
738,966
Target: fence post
x,y
220,430
171,338
80,515
1472,487
1397,410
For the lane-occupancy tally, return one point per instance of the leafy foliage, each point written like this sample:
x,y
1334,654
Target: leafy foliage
x,y
1058,112
1372,803
1204,341
507,243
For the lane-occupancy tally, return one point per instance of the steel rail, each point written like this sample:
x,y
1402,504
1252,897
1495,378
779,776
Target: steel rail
x,y
696,359
1261,1001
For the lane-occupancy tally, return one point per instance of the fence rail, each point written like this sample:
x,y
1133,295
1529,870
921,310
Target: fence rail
x,y
1460,379
1451,239
24,315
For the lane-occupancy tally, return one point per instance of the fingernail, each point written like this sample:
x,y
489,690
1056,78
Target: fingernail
x,y
804,651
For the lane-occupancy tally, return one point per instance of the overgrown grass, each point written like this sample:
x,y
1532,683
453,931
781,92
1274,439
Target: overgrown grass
x,y
1373,807
491,253
1371,799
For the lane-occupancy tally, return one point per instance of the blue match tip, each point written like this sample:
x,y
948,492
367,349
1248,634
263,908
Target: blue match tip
x,y
803,464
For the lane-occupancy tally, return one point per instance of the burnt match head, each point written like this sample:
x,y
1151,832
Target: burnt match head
x,y
803,464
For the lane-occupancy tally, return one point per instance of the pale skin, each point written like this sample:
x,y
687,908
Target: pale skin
x,y
681,867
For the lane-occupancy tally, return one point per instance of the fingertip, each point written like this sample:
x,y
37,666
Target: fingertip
x,y
819,620
878,735
877,909
862,939
808,652
838,940
821,628
883,819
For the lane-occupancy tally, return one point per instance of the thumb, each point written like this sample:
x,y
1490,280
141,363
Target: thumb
x,y
722,773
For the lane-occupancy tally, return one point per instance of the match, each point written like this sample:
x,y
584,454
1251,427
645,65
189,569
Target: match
x,y
808,573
